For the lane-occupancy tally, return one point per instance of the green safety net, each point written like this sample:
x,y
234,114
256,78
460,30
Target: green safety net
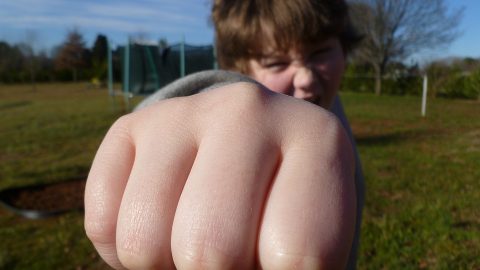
x,y
147,68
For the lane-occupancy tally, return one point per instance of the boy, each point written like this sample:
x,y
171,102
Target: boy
x,y
238,177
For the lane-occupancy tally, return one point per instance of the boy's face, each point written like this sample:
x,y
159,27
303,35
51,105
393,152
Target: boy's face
x,y
313,73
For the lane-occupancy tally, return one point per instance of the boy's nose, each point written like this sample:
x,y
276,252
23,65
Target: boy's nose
x,y
305,83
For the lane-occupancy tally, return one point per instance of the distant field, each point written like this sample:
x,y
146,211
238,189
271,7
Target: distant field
x,y
422,176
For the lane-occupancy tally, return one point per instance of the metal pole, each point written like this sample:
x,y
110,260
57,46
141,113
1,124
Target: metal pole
x,y
182,57
126,75
215,63
153,67
424,96
110,75
110,72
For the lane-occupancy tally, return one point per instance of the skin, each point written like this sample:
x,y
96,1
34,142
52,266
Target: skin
x,y
313,73
218,180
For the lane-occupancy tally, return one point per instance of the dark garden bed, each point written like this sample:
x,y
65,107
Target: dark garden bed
x,y
45,200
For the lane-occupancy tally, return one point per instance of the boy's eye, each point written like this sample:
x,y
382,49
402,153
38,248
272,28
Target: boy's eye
x,y
321,52
275,65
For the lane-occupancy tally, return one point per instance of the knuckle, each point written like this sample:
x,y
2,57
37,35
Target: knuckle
x,y
201,257
204,251
121,128
142,261
249,96
99,225
240,105
322,128
99,232
281,261
241,98
136,254
139,249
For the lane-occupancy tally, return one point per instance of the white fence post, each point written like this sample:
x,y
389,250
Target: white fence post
x,y
424,96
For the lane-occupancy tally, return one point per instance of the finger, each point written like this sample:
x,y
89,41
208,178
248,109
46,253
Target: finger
x,y
309,216
104,189
159,172
217,218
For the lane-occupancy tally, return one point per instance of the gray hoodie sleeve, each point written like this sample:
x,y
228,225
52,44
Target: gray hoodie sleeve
x,y
193,84
337,109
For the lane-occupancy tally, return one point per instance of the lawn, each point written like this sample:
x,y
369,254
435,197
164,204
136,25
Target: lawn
x,y
421,175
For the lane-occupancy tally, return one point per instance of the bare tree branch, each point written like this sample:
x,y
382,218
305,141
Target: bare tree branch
x,y
71,54
396,29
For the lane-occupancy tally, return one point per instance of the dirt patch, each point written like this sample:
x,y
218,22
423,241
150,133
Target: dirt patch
x,y
44,200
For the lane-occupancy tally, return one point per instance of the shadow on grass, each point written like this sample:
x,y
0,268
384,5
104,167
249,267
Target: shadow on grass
x,y
467,224
390,138
16,104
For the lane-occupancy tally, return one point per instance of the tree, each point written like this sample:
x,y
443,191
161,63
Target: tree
x,y
46,65
28,51
162,43
396,29
72,53
473,84
99,57
12,63
99,49
438,72
4,52
454,77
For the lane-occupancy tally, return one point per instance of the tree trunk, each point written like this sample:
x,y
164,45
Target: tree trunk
x,y
32,79
378,81
74,73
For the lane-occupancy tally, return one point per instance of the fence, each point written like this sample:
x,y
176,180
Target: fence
x,y
147,68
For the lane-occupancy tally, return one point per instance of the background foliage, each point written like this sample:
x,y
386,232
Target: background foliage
x,y
73,60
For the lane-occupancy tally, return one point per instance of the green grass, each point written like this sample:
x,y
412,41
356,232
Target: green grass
x,y
46,136
421,175
422,182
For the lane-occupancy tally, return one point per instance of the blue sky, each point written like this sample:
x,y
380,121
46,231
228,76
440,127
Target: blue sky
x,y
50,20
468,44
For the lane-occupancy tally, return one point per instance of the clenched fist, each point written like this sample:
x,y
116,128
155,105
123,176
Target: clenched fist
x,y
235,177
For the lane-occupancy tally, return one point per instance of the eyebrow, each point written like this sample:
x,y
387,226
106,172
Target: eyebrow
x,y
274,54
